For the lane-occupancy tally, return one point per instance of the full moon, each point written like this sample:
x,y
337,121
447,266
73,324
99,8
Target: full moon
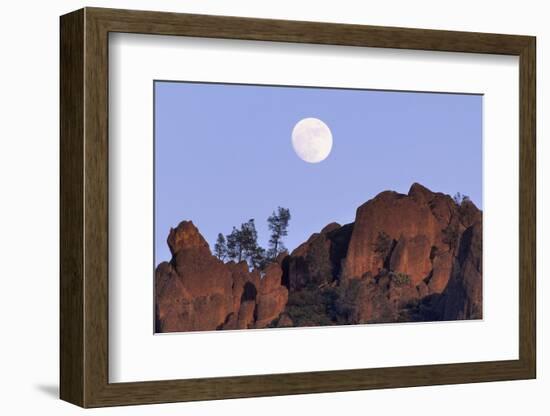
x,y
311,140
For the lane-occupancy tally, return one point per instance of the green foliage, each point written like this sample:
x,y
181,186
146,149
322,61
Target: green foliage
x,y
278,225
242,244
257,257
382,246
307,307
234,245
460,198
220,248
400,279
314,306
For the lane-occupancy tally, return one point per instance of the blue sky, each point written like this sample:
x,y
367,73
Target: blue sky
x,y
223,154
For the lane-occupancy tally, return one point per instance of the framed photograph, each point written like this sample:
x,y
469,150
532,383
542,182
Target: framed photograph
x,y
255,207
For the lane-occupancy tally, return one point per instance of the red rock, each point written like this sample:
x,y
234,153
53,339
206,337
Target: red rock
x,y
442,270
378,300
429,268
411,256
246,315
443,209
185,236
173,302
333,226
272,278
198,292
270,306
398,216
281,257
240,276
210,312
423,289
469,213
420,194
203,274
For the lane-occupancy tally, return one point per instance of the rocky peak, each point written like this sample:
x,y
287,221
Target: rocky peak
x,y
185,236
420,193
330,227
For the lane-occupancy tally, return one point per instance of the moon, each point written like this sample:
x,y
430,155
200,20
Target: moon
x,y
312,140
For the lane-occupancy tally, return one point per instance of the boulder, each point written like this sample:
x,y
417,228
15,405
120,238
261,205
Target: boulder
x,y
185,236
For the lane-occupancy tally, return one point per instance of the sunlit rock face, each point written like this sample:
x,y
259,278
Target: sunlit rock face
x,y
408,221
196,291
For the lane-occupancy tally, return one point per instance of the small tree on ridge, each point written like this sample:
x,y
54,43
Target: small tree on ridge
x,y
278,225
220,248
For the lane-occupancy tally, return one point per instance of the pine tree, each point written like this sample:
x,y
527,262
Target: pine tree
x,y
253,253
278,225
242,244
460,198
220,248
234,247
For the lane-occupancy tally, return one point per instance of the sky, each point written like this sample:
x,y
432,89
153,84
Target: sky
x,y
223,154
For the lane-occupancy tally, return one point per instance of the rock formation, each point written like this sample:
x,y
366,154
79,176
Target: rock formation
x,y
196,291
318,260
407,257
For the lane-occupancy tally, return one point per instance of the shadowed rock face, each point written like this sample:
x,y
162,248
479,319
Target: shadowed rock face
x,y
407,257
318,260
462,298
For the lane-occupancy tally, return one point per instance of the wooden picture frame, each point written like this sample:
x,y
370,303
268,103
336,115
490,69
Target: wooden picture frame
x,y
84,207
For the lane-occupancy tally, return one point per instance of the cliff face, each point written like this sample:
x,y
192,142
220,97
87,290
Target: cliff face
x,y
413,257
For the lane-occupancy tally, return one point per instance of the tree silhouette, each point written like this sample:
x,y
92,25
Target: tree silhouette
x,y
234,246
253,253
220,248
242,244
460,198
278,225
